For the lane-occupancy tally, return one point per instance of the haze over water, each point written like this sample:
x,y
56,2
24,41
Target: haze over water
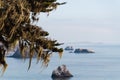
x,y
101,65
84,21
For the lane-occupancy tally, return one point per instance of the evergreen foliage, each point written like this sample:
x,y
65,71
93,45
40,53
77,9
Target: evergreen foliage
x,y
16,18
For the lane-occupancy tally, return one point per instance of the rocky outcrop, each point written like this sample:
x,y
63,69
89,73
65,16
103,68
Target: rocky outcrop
x,y
69,48
61,72
83,51
16,54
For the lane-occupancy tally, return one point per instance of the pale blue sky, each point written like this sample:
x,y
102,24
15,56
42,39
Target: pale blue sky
x,y
84,21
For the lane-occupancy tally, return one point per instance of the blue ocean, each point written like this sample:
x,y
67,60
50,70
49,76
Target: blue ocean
x,y
104,64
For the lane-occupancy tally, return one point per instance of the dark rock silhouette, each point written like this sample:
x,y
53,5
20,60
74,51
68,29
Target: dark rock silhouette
x,y
69,48
68,78
16,54
61,73
83,51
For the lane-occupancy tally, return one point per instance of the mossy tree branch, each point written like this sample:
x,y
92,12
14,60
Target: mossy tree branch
x,y
16,28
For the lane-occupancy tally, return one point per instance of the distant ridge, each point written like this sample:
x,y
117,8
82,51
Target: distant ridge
x,y
84,42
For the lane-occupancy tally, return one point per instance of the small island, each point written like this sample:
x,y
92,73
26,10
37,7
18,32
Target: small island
x,y
79,50
69,48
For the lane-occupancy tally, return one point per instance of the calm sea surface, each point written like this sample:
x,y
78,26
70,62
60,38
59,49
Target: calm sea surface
x,y
104,64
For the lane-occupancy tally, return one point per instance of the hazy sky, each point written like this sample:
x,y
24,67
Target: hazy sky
x,y
84,21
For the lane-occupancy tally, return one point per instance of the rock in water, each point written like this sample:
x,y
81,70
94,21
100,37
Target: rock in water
x,y
83,51
61,72
16,54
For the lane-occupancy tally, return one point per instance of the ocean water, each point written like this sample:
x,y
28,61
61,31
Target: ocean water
x,y
104,64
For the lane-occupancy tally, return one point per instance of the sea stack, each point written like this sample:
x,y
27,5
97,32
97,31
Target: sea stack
x,y
16,54
61,72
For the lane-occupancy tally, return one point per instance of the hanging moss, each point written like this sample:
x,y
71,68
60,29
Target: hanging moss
x,y
16,18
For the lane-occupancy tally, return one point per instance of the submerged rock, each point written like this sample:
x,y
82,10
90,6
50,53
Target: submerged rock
x,y
61,72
